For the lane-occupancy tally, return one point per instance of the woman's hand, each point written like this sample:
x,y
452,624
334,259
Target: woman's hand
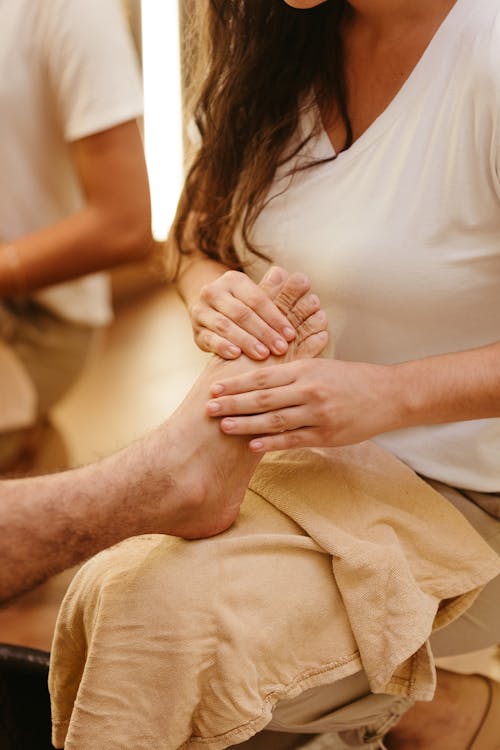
x,y
234,315
312,402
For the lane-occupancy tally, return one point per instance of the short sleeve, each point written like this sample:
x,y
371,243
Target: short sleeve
x,y
91,64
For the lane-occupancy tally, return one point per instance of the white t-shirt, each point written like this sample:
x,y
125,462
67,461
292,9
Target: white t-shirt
x,y
400,234
67,70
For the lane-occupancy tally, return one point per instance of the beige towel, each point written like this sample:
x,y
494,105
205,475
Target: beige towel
x,y
340,560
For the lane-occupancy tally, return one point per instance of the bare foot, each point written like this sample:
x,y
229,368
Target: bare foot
x,y
212,469
449,722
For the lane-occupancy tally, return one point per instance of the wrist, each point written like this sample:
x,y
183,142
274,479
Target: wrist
x,y
388,400
195,271
412,388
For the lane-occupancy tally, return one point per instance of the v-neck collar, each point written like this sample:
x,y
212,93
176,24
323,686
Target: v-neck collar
x,y
423,72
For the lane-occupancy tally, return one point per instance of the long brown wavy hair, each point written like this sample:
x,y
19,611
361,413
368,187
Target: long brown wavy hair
x,y
256,61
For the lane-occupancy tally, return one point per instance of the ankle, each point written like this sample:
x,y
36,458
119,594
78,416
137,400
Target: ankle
x,y
454,715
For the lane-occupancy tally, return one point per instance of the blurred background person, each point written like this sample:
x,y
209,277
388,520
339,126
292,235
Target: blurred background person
x,y
74,195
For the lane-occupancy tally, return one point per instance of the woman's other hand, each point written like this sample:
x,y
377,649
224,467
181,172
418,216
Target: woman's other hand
x,y
233,315
315,403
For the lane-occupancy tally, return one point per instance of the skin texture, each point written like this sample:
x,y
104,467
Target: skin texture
x,y
229,313
450,721
228,304
178,480
331,403
112,228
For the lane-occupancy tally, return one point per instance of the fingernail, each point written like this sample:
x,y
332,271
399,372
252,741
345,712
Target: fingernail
x,y
261,350
256,445
280,346
302,278
313,300
289,332
213,407
228,424
274,276
216,389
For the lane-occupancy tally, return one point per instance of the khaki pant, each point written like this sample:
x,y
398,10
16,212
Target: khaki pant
x,y
52,353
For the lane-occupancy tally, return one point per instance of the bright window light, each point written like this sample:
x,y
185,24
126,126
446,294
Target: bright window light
x,y
162,109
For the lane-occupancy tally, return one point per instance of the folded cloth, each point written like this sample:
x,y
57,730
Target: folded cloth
x,y
341,560
404,560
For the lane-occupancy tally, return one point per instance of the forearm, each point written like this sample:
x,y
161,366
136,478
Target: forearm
x,y
85,242
448,388
52,522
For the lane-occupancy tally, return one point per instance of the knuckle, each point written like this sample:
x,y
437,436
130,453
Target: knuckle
x,y
202,342
242,315
261,379
220,324
262,401
278,422
294,439
255,297
209,293
233,277
218,347
195,311
321,395
313,393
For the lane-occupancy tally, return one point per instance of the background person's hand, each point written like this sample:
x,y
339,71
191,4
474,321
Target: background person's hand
x,y
235,315
310,402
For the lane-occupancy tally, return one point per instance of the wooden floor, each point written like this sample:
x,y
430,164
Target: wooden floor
x,y
140,370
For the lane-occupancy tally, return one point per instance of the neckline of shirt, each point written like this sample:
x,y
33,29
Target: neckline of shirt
x,y
426,65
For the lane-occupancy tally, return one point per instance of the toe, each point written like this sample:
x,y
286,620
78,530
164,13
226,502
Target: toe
x,y
291,292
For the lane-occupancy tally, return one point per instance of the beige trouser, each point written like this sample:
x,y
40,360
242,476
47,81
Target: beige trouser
x,y
52,352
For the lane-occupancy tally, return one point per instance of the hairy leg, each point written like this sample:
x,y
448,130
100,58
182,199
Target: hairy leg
x,y
209,490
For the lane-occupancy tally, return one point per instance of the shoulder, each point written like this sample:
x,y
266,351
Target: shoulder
x,y
62,20
90,62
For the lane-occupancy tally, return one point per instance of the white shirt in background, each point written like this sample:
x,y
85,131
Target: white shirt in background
x,y
67,70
